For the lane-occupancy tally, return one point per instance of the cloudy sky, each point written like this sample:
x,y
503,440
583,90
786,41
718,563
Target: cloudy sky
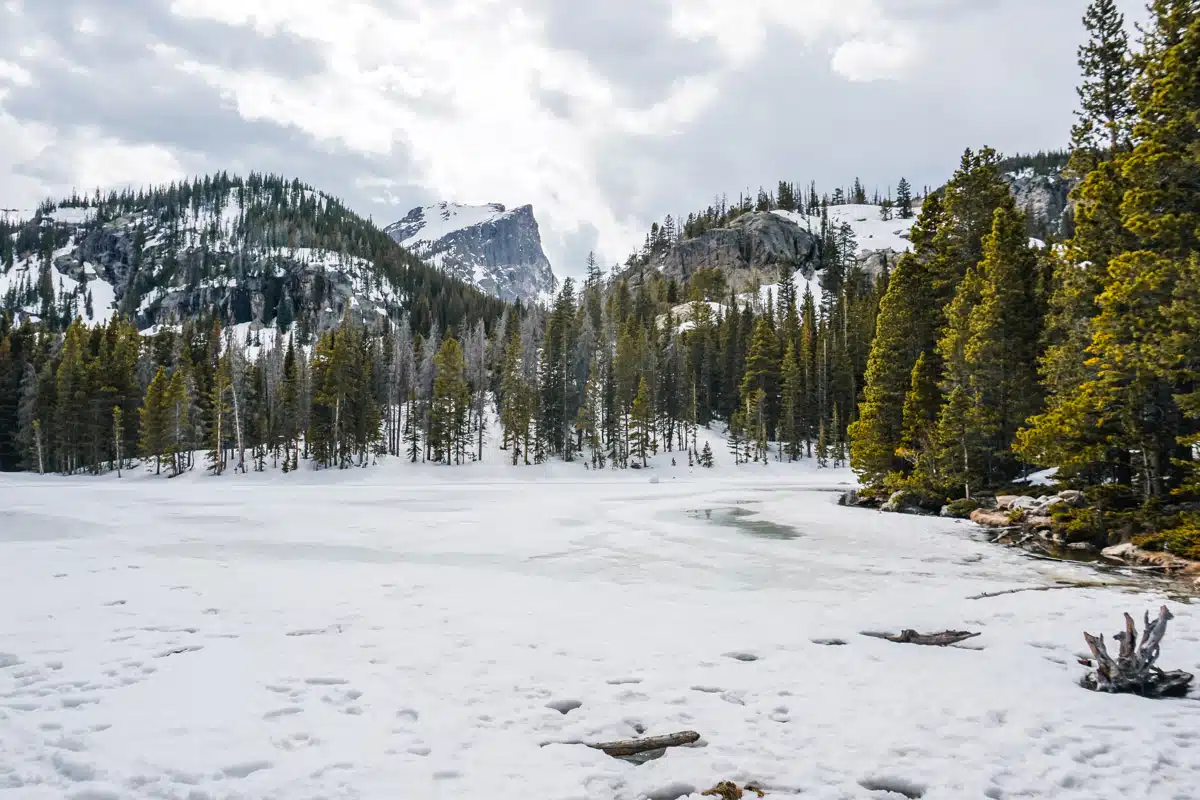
x,y
604,114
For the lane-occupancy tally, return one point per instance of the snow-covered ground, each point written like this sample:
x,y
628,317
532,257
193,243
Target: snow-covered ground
x,y
409,632
871,232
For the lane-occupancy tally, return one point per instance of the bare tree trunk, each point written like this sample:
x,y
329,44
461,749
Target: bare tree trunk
x,y
237,424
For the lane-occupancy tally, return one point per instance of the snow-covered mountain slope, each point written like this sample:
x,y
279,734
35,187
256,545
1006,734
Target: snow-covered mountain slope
x,y
258,251
457,631
494,248
870,231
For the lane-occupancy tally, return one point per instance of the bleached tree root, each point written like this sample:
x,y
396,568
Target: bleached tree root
x,y
1133,670
909,636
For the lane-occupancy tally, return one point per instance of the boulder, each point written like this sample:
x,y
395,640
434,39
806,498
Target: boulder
x,y
1039,522
895,503
1005,502
990,519
1072,497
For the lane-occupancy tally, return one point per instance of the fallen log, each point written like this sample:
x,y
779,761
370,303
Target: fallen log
x,y
632,747
1133,671
1081,585
909,636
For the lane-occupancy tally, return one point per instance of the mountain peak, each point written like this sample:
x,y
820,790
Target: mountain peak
x,y
491,246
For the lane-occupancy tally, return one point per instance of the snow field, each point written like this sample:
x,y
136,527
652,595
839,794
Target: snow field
x,y
416,630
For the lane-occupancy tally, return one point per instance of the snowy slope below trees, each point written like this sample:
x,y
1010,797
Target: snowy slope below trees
x,y
871,232
346,633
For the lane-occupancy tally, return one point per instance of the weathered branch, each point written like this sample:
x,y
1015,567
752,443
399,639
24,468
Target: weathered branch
x,y
631,747
909,636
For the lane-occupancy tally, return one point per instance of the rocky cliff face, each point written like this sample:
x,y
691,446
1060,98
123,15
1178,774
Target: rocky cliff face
x,y
755,248
498,250
1044,197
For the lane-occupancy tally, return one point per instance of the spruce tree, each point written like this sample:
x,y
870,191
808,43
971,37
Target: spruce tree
x,y
641,422
451,403
1003,346
793,391
1106,104
155,420
904,199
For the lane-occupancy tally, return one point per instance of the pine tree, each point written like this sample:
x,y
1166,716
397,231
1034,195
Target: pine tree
x,y
919,444
904,199
760,380
790,419
706,456
451,403
1002,348
1106,103
155,420
641,420
735,439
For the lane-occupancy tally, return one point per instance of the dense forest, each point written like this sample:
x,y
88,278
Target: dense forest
x,y
1090,361
978,359
261,240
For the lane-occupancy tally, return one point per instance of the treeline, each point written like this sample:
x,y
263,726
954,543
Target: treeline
x,y
227,229
612,374
992,360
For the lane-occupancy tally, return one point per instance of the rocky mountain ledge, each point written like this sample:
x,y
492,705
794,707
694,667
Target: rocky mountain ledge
x,y
754,248
499,250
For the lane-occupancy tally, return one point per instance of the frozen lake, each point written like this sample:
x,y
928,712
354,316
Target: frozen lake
x,y
416,632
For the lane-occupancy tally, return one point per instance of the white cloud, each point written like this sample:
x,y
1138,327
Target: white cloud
x,y
99,160
871,59
455,85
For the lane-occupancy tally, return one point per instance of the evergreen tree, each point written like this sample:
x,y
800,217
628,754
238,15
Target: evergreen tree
x,y
1106,103
155,420
451,402
904,199
641,421
793,391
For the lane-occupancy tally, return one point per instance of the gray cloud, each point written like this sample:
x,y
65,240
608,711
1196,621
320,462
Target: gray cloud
x,y
629,43
997,72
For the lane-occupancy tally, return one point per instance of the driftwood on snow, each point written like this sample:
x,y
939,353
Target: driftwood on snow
x,y
909,636
632,747
1133,670
728,790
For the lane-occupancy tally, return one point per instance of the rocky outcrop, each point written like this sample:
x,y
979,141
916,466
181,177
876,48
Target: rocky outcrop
x,y
1043,197
753,249
497,249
